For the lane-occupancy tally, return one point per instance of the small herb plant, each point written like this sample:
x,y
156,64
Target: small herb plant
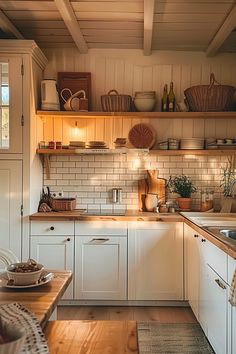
x,y
229,175
181,185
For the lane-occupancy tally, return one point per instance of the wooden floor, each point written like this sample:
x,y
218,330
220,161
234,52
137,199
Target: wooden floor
x,y
116,313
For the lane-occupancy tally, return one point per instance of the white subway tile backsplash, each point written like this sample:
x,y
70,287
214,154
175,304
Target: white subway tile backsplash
x,y
91,177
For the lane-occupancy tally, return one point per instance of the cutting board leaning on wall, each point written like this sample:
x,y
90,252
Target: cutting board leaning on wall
x,y
151,184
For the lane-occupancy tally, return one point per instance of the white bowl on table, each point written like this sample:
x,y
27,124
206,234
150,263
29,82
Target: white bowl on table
x,y
23,277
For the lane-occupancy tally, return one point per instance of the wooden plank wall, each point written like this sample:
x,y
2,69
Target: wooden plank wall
x,y
128,71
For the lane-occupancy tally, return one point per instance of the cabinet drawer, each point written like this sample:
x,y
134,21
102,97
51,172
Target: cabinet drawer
x,y
99,228
216,258
52,228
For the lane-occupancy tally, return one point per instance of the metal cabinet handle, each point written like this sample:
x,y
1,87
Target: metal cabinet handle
x,y
100,239
203,240
221,285
52,228
196,235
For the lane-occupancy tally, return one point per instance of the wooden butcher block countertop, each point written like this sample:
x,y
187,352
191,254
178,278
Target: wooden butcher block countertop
x,y
130,215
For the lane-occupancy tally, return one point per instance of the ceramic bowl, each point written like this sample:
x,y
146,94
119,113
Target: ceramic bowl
x,y
15,339
144,104
23,278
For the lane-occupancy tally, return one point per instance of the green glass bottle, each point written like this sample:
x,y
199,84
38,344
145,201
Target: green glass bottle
x,y
164,101
171,99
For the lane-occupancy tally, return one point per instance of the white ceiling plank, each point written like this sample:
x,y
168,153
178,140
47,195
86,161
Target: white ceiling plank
x,y
223,33
7,26
148,26
71,23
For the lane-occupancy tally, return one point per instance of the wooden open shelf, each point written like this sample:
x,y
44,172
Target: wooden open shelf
x,y
153,152
151,115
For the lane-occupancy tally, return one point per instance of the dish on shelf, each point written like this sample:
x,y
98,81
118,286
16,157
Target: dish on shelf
x,y
45,278
142,136
192,144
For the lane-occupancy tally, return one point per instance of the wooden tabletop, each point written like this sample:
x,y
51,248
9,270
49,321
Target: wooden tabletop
x,y
41,300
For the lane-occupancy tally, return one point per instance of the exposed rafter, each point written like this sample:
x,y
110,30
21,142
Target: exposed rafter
x,y
227,27
68,15
7,26
148,26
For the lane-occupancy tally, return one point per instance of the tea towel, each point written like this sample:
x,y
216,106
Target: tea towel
x,y
232,292
35,342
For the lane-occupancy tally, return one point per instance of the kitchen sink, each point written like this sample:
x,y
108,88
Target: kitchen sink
x,y
222,232
229,233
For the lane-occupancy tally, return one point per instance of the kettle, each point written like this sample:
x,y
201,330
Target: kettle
x,y
49,95
74,102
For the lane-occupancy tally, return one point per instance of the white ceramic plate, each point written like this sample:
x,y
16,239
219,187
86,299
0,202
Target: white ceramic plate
x,y
4,281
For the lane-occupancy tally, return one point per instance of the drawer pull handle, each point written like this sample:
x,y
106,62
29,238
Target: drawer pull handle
x,y
68,239
52,228
196,235
103,239
221,285
203,240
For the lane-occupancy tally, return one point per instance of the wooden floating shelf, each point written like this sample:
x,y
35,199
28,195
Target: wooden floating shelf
x,y
153,152
151,115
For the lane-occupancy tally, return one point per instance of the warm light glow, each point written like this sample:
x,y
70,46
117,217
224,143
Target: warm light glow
x,y
76,129
190,157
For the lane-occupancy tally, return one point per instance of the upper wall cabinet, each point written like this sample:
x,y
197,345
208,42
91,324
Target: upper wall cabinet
x,y
11,110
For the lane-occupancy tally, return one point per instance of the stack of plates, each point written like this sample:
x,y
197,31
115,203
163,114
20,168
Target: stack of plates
x,y
77,145
120,142
193,143
96,145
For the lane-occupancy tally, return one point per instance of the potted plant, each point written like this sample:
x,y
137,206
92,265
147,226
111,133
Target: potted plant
x,y
184,187
228,203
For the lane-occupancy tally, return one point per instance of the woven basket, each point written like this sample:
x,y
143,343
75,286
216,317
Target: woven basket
x,y
113,102
213,97
63,204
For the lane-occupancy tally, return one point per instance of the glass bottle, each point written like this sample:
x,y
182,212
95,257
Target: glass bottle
x,y
164,101
171,99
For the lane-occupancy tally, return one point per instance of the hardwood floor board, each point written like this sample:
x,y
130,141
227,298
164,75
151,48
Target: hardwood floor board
x,y
121,313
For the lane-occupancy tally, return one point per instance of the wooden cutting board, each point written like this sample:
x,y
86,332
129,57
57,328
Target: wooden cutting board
x,y
158,187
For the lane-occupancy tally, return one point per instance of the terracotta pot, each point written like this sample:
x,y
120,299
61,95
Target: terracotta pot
x,y
184,203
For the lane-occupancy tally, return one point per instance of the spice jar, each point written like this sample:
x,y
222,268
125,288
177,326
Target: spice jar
x,y
51,145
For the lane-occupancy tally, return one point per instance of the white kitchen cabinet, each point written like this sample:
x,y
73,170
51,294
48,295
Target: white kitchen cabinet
x,y
10,205
101,260
155,267
54,252
192,268
216,311
231,310
207,288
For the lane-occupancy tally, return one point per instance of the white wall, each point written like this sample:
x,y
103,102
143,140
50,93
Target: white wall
x,y
128,70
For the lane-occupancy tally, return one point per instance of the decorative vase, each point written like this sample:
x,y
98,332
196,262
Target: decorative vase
x,y
184,203
151,201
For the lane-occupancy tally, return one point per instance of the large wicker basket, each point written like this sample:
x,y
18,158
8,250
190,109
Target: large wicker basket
x,y
113,102
63,204
213,97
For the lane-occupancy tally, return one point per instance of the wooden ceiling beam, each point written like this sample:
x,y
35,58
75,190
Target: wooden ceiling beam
x,y
68,15
148,26
7,26
226,28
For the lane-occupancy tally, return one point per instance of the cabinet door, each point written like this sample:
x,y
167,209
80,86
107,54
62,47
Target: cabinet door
x,y
216,314
11,101
100,268
54,252
192,267
10,205
155,261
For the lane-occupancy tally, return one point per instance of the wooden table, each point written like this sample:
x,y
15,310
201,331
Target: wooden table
x,y
41,300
